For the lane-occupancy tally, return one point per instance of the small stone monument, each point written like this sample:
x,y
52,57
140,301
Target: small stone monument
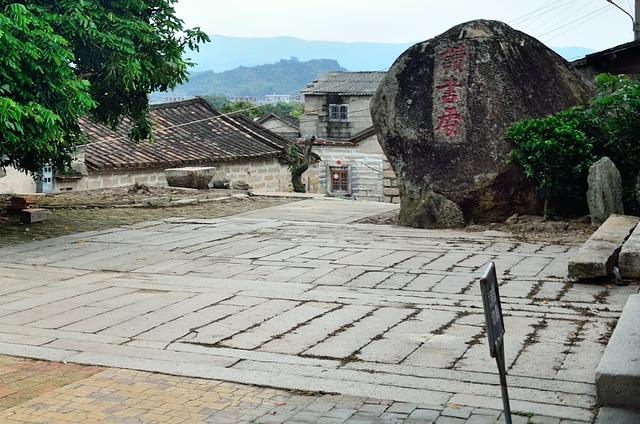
x,y
604,195
441,113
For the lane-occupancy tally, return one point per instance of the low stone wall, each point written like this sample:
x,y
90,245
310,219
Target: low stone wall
x,y
261,175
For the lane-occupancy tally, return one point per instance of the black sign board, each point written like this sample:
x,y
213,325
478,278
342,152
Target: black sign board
x,y
492,308
495,329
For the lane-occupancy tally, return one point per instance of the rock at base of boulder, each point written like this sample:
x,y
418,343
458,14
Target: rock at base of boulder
x,y
190,177
605,191
597,256
33,215
430,210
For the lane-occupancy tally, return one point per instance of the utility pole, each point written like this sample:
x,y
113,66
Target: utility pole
x,y
636,25
635,21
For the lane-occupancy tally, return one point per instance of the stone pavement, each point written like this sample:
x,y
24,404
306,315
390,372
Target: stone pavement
x,y
322,209
375,312
126,396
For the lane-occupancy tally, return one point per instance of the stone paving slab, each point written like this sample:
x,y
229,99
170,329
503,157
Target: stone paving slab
x,y
361,310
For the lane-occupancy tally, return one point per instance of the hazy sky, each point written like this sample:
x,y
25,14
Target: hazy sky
x,y
594,24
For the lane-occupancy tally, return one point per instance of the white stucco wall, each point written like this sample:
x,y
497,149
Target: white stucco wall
x,y
261,174
372,177
366,172
17,182
281,128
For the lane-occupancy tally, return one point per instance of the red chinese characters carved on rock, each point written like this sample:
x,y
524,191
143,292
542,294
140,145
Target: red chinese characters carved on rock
x,y
453,58
449,122
449,87
452,61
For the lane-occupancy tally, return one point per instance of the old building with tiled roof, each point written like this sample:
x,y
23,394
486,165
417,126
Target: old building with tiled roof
x,y
352,163
282,125
186,133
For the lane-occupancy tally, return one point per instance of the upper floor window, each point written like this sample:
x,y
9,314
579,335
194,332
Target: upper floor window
x,y
338,113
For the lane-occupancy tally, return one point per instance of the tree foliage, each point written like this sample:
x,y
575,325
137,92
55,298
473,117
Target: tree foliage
x,y
556,151
615,113
250,110
299,162
64,59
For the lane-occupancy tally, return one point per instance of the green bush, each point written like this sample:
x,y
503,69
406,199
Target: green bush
x,y
556,152
615,113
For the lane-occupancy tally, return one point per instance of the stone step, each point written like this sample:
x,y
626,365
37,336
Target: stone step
x,y
618,374
597,256
617,416
629,260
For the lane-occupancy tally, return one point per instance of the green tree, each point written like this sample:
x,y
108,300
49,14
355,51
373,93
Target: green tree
x,y
246,108
299,162
615,113
64,59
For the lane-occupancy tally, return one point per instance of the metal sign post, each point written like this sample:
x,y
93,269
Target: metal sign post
x,y
495,329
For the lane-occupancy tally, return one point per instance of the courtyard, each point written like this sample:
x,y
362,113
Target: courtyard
x,y
299,302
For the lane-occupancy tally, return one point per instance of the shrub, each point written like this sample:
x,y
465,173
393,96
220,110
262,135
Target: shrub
x,y
615,113
555,152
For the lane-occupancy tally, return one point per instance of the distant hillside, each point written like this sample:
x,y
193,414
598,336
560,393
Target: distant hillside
x,y
236,66
225,53
284,77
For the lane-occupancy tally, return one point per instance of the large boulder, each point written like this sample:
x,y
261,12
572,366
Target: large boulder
x,y
604,195
443,108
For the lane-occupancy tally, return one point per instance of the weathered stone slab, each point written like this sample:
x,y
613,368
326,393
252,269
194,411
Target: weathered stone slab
x,y
190,177
605,191
629,260
618,374
617,416
596,258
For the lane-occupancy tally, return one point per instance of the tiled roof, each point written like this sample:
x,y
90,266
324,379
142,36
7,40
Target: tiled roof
x,y
284,119
185,133
345,84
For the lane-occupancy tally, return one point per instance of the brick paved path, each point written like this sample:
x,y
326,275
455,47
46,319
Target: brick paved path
x,y
362,310
126,396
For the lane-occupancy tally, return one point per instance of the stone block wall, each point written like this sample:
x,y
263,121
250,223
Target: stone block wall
x,y
261,174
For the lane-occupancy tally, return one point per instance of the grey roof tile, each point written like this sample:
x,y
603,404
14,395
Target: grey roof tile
x,y
345,84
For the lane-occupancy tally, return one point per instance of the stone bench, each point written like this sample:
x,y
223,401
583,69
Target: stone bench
x,y
597,256
190,177
618,373
629,260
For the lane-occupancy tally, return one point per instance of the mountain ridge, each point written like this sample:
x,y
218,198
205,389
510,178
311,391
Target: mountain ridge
x,y
225,53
